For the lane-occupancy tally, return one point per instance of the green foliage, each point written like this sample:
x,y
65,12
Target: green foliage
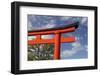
x,y
40,52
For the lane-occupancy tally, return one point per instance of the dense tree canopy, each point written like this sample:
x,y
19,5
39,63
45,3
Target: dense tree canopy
x,y
40,52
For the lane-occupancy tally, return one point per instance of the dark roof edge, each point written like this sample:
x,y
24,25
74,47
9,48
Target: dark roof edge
x,y
76,24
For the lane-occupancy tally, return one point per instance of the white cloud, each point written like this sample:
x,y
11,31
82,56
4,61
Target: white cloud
x,y
83,20
67,53
50,24
86,47
65,18
76,47
47,36
77,38
29,25
42,36
67,35
31,37
33,18
76,44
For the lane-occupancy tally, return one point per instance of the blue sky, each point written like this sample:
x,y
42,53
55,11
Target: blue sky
x,y
75,50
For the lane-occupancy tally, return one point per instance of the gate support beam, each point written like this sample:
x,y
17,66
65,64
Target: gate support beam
x,y
57,46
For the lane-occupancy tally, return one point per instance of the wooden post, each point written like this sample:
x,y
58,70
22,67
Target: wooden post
x,y
57,46
38,37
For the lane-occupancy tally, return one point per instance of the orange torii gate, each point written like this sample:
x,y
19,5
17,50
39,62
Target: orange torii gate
x,y
57,38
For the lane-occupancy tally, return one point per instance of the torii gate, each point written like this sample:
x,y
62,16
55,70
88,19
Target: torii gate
x,y
57,38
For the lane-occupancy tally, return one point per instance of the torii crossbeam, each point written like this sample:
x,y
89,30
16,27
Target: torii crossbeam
x,y
57,38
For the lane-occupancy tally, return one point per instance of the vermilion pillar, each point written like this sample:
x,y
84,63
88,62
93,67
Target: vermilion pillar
x,y
57,46
38,37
